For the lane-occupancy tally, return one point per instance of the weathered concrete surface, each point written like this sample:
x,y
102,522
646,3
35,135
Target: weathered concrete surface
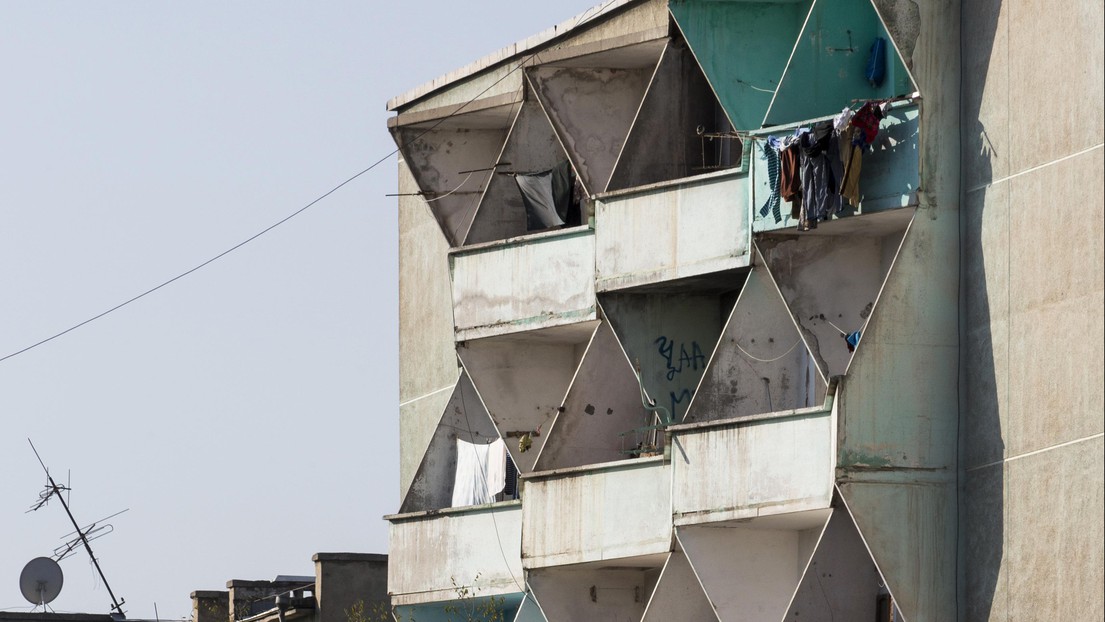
x,y
1033,286
436,158
671,232
344,579
678,594
592,111
433,555
603,402
611,511
526,284
663,143
427,358
531,147
771,466
761,363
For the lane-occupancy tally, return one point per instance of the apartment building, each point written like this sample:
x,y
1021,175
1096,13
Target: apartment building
x,y
727,310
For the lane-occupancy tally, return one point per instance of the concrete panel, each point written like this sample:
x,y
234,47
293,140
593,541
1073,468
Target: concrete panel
x,y
749,572
841,581
761,363
668,337
619,594
531,147
437,156
591,110
742,48
523,381
464,418
1057,344
1053,525
430,556
606,512
497,81
826,68
602,407
428,361
675,231
678,594
906,520
524,284
1056,49
830,280
663,143
772,466
418,421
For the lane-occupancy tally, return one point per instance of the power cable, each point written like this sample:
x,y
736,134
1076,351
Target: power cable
x,y
299,211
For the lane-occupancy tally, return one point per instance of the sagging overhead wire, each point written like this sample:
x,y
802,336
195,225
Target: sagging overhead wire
x,y
584,18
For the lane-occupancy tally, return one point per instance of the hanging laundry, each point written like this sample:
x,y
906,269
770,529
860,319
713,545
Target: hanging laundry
x,y
867,120
819,190
790,179
843,120
547,197
772,204
851,158
480,474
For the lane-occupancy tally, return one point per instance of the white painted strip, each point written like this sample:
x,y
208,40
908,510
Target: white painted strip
x,y
1036,168
415,399
1038,451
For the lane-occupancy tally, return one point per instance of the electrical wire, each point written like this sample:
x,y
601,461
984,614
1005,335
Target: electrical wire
x,y
299,211
754,358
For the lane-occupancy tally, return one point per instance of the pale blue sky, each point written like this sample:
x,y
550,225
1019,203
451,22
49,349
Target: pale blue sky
x,y
246,414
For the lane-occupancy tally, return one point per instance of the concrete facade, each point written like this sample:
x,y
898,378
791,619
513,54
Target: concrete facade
x,y
692,437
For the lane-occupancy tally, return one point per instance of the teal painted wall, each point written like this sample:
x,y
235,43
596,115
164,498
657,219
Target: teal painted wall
x,y
743,48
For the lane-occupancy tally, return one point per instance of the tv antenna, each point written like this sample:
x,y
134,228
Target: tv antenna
x,y
41,581
83,537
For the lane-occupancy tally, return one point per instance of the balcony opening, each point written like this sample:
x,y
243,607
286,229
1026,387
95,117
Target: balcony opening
x,y
453,160
523,379
466,462
592,101
669,330
603,417
608,590
831,279
531,159
680,129
761,363
841,581
753,565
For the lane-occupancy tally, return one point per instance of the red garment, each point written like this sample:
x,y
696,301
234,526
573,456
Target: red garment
x,y
867,120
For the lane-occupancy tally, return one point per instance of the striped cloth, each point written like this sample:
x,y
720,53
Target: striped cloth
x,y
772,203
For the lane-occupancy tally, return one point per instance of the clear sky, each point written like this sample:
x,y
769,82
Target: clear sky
x,y
247,413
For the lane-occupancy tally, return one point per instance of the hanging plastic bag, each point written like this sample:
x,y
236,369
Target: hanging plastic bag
x,y
876,63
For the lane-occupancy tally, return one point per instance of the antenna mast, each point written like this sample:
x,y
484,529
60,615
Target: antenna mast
x,y
53,490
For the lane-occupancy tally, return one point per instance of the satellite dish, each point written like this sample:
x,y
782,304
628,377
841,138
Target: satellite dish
x,y
40,580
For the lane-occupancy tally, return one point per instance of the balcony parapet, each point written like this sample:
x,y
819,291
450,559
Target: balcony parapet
x,y
434,553
672,230
524,283
773,463
594,513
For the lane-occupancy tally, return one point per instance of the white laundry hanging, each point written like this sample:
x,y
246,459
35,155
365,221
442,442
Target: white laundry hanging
x,y
481,472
